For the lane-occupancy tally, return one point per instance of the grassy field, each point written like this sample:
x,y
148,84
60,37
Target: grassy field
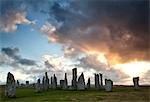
x,y
119,94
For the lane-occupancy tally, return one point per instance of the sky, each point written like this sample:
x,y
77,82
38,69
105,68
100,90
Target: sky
x,y
95,36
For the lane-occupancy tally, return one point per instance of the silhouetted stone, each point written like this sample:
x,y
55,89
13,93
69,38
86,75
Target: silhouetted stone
x,y
74,80
17,84
51,81
10,90
108,85
38,86
54,82
61,83
97,85
45,82
81,82
88,84
27,84
65,85
136,82
101,81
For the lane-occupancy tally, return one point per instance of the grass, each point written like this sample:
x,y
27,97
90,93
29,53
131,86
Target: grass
x,y
119,94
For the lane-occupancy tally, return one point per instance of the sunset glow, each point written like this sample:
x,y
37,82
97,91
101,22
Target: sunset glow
x,y
135,68
96,36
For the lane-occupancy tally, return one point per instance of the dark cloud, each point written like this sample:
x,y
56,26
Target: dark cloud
x,y
14,54
117,28
26,62
11,52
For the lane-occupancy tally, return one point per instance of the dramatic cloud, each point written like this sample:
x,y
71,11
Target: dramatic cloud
x,y
13,14
119,29
13,54
9,21
49,30
95,35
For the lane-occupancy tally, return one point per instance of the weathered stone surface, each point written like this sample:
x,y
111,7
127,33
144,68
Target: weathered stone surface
x,y
17,84
45,82
27,84
54,82
65,85
136,82
10,90
108,85
38,86
101,81
88,84
51,82
61,83
81,82
74,79
97,85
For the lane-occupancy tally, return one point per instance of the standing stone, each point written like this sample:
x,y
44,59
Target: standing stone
x,y
97,85
51,82
74,80
65,85
108,85
54,82
81,82
10,90
88,84
61,83
38,86
45,82
17,84
136,82
27,83
101,81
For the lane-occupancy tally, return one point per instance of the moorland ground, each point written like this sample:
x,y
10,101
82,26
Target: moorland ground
x,y
119,94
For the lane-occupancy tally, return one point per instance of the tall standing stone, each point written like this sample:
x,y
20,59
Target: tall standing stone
x,y
10,90
74,79
65,85
54,82
38,86
17,84
88,84
101,81
108,85
136,82
45,82
51,82
97,85
81,82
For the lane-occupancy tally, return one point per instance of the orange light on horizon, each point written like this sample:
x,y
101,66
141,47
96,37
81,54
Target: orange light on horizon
x,y
134,68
